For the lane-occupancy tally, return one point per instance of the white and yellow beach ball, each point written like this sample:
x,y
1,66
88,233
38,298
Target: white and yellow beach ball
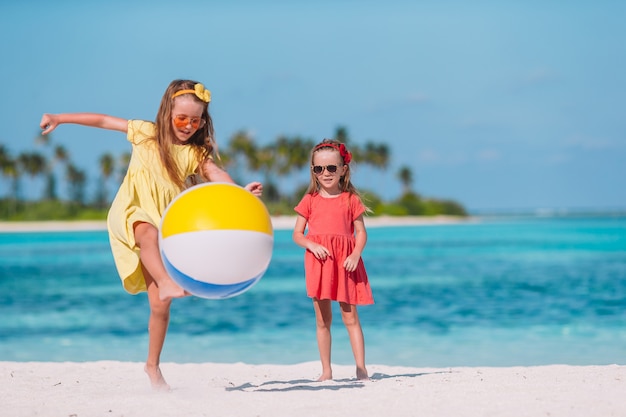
x,y
216,240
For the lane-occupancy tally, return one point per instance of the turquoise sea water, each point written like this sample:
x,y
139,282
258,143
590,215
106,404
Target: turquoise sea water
x,y
499,292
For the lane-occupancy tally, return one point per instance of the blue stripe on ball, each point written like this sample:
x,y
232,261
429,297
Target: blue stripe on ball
x,y
204,289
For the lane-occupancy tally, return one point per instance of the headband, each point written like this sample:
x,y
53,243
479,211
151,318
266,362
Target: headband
x,y
345,153
199,90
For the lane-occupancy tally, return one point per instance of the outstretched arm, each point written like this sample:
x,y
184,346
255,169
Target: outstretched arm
x,y
49,122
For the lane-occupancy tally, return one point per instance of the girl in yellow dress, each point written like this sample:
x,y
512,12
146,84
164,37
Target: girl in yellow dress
x,y
178,148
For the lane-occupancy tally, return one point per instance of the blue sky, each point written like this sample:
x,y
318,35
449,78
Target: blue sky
x,y
498,105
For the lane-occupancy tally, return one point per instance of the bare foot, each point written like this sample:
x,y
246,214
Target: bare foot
x,y
326,376
361,374
156,378
169,289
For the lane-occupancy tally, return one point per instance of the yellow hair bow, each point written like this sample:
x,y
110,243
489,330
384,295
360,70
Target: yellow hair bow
x,y
199,90
202,93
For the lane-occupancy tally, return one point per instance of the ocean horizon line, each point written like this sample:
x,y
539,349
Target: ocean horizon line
x,y
278,222
285,222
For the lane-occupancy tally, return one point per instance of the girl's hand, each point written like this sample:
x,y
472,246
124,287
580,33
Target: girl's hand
x,y
319,251
48,123
351,263
255,188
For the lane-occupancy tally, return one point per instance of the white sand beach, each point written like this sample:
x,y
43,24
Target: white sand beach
x,y
116,389
278,222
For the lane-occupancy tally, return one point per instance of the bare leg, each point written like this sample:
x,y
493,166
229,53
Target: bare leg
x,y
323,319
147,238
157,329
351,320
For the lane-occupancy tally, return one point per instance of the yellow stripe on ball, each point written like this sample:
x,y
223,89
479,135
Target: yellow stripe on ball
x,y
216,206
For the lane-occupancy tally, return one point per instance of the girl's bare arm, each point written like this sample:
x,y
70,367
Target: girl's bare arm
x,y
360,237
212,172
49,122
319,251
298,232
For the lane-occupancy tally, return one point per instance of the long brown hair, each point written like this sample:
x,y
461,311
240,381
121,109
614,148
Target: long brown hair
x,y
203,140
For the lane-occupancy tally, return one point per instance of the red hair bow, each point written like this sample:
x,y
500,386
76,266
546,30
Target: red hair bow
x,y
343,151
345,154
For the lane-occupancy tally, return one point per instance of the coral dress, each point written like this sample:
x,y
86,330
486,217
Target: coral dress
x,y
143,196
331,224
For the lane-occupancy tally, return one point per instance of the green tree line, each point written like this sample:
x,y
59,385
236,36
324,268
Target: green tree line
x,y
283,159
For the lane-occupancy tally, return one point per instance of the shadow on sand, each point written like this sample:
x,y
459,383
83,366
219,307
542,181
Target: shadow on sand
x,y
312,385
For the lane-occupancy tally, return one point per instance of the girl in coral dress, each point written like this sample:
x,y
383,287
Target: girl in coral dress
x,y
333,212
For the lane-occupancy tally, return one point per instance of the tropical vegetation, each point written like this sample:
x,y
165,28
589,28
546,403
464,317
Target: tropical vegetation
x,y
282,160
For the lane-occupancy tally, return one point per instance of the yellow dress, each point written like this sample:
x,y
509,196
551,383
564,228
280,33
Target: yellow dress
x,y
143,196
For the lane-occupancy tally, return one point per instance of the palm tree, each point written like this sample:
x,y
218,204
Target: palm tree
x,y
124,160
50,188
265,161
292,154
32,163
376,155
241,151
59,155
300,155
76,179
9,169
6,162
282,153
107,167
341,134
405,175
244,151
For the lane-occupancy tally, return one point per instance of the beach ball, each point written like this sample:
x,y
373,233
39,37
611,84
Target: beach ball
x,y
216,240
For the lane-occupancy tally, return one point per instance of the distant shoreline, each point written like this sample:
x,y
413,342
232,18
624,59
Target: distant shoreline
x,y
278,222
288,222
